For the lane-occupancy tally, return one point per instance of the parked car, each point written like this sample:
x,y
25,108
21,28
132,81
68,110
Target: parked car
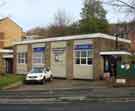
x,y
39,74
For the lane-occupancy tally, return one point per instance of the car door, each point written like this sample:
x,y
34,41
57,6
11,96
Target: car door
x,y
45,73
49,73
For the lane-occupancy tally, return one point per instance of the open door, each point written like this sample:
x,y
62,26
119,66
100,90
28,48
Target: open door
x,y
110,64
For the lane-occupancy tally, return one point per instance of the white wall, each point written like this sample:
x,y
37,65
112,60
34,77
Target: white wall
x,y
21,68
58,59
82,71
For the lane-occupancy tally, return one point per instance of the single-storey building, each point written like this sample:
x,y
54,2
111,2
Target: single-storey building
x,y
71,57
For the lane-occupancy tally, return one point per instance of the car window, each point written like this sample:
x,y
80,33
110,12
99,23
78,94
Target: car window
x,y
37,70
47,69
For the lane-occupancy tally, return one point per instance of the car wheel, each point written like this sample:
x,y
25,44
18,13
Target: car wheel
x,y
43,81
51,78
25,82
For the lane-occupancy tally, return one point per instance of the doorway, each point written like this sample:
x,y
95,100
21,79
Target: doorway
x,y
9,65
110,64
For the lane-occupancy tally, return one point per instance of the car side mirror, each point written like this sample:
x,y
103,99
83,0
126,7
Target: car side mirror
x,y
47,70
44,71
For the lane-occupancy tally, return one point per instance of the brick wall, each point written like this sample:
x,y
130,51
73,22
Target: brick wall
x,y
69,60
1,39
2,65
29,57
131,36
14,59
12,31
48,55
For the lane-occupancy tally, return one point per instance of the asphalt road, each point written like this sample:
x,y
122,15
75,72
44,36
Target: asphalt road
x,y
89,92
87,106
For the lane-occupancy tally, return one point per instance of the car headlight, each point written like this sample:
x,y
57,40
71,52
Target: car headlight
x,y
40,75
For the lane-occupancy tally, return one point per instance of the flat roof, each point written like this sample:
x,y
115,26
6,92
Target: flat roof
x,y
6,51
8,56
115,53
74,37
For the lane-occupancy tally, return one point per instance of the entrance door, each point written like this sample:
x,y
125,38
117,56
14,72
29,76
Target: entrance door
x,y
110,64
58,59
9,66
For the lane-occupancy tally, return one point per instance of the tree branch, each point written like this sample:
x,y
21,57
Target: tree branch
x,y
126,4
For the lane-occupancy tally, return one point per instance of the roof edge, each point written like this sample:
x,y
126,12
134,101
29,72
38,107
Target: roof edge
x,y
73,37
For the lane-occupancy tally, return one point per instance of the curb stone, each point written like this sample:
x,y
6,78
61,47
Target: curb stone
x,y
63,100
11,86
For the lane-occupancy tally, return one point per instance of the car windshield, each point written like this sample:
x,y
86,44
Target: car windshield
x,y
37,70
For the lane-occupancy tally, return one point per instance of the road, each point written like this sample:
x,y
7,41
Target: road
x,y
89,92
90,99
77,106
86,99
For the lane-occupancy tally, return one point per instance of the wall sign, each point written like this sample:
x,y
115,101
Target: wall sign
x,y
83,46
39,49
58,50
58,53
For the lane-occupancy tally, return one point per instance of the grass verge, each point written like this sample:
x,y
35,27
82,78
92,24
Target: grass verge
x,y
8,79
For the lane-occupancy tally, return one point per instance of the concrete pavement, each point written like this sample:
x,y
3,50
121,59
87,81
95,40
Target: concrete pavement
x,y
69,95
58,91
62,84
89,92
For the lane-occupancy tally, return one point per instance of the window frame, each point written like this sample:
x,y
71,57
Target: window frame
x,y
22,58
40,58
88,56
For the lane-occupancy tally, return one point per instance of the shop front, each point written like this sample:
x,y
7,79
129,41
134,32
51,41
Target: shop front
x,y
111,60
58,59
83,57
71,57
38,55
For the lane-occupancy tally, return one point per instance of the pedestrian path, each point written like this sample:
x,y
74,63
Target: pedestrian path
x,y
62,84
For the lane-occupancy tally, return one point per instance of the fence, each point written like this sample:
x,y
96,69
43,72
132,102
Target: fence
x,y
126,70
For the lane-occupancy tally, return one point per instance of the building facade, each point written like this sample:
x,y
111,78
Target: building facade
x,y
9,33
71,57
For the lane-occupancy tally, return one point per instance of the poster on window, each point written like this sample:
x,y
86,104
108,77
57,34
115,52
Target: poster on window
x,y
58,54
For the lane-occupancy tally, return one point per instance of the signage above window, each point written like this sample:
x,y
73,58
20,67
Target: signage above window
x,y
39,49
83,46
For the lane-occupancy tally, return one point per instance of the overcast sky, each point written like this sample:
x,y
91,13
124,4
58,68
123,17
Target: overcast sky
x,y
32,13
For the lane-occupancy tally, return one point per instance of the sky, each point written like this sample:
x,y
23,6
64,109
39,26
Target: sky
x,y
31,13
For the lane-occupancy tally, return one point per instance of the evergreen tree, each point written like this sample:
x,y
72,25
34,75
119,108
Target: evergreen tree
x,y
93,17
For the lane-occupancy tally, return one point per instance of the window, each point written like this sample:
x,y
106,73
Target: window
x,y
83,56
37,70
22,58
38,58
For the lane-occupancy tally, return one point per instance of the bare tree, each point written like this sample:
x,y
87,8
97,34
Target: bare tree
x,y
61,18
126,12
61,24
126,6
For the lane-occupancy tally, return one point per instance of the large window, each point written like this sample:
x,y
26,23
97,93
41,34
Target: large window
x,y
38,55
38,58
22,58
83,56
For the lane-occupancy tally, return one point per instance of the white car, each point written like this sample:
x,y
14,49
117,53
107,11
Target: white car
x,y
39,74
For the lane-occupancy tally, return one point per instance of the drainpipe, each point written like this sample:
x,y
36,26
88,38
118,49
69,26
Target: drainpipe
x,y
116,47
116,41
